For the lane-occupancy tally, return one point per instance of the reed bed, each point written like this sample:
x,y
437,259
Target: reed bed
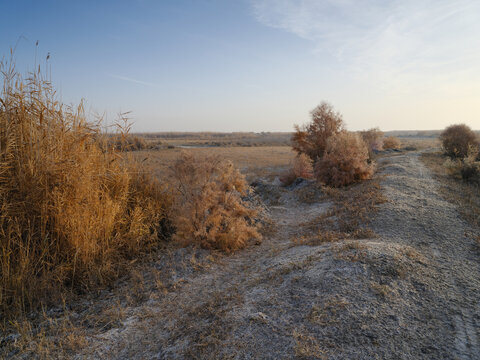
x,y
71,210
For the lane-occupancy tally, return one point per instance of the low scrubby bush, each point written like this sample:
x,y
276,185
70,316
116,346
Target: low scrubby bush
x,y
345,161
70,211
391,142
209,210
459,140
470,172
467,169
311,139
373,138
302,167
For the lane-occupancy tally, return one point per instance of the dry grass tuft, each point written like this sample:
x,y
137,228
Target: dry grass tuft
x,y
349,216
325,314
49,339
307,347
209,210
70,211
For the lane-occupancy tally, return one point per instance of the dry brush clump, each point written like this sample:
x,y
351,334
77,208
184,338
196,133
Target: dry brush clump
x,y
459,140
311,139
209,209
391,142
340,157
302,167
70,211
468,168
345,161
373,139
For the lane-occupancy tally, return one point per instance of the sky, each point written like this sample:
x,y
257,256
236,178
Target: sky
x,y
255,65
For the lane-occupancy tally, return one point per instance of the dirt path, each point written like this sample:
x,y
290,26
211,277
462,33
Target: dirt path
x,y
411,293
418,216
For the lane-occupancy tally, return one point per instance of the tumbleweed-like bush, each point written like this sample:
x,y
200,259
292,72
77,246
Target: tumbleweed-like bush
x,y
311,139
209,210
71,212
391,142
458,140
345,161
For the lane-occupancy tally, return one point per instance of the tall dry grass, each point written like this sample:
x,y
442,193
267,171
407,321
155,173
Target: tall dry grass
x,y
70,211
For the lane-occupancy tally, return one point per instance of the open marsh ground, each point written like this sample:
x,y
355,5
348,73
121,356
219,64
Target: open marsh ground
x,y
254,162
405,287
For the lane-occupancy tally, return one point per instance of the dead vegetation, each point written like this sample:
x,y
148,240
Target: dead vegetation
x,y
459,174
466,195
339,157
345,161
71,212
255,162
352,210
391,142
373,138
209,210
458,141
311,139
302,167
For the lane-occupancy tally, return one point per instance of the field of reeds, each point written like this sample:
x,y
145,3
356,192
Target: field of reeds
x,y
72,210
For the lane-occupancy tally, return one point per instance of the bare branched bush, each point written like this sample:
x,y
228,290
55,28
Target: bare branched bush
x,y
311,139
70,211
345,161
302,167
457,140
209,209
391,142
373,139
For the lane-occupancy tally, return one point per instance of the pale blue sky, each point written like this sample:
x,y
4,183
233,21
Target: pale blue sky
x,y
256,65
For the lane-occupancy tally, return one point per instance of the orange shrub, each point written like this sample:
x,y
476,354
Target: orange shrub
x,y
311,138
345,161
458,140
209,209
391,142
302,167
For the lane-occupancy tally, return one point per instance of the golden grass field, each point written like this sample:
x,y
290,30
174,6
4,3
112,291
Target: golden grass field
x,y
254,162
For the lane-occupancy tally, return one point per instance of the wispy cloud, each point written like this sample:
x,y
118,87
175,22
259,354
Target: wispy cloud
x,y
135,81
390,39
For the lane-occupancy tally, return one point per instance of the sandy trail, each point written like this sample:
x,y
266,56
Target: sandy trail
x,y
411,293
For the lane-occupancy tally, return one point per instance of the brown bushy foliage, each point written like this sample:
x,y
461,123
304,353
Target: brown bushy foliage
x,y
70,211
128,143
311,138
345,161
391,142
467,168
209,210
457,140
373,140
302,167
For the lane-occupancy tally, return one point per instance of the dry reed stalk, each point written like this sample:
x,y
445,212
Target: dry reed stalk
x,y
70,211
